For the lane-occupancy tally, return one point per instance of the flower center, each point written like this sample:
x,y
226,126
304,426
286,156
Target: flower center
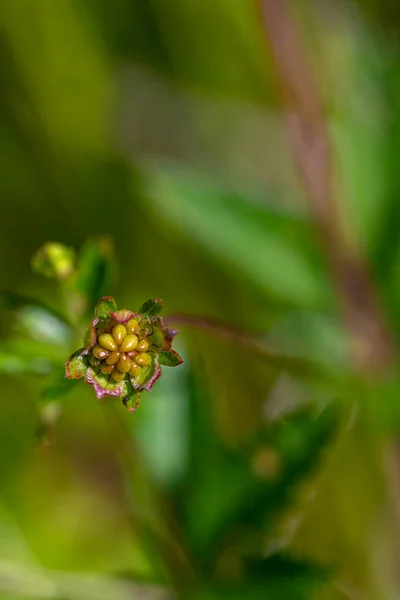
x,y
121,350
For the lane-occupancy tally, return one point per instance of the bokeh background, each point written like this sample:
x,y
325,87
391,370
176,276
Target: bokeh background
x,y
150,136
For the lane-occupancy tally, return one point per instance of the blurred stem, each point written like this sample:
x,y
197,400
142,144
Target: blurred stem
x,y
312,152
250,341
148,512
313,156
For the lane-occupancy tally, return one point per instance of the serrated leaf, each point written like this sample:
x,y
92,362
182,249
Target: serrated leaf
x,y
169,358
151,308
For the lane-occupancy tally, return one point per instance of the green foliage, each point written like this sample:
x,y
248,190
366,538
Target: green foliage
x,y
148,136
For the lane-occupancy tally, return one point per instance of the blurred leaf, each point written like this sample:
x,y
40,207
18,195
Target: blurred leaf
x,y
15,364
11,300
58,387
275,251
274,578
251,499
96,269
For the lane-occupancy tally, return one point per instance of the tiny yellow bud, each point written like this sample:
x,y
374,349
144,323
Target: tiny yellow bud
x,y
135,370
107,341
129,343
143,345
119,333
118,376
124,363
107,369
132,326
99,352
94,361
143,359
113,358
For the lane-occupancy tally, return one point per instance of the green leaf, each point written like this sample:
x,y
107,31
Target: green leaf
x,y
151,308
261,245
169,359
104,307
15,301
95,269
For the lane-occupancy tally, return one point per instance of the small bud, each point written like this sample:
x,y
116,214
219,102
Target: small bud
x,y
135,370
94,361
124,363
143,345
118,376
99,352
143,359
129,343
132,326
54,260
107,341
113,358
107,369
119,333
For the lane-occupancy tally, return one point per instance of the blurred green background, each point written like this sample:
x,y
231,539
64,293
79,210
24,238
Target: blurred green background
x,y
148,135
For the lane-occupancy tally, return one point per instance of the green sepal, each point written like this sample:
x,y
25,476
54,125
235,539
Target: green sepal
x,y
169,358
91,335
77,365
148,375
105,307
131,399
104,385
152,307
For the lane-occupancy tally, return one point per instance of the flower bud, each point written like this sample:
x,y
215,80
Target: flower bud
x,y
94,361
118,376
113,358
119,333
99,352
143,359
143,345
124,364
54,260
107,369
129,343
135,370
107,341
132,326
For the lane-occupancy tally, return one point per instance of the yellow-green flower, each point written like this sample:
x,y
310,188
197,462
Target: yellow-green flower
x,y
123,351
